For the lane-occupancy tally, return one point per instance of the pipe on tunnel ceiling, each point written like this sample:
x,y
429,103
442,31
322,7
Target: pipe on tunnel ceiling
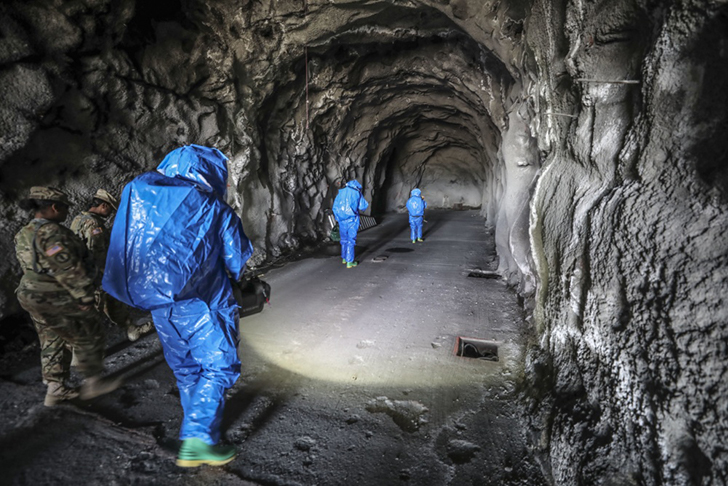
x,y
609,81
305,60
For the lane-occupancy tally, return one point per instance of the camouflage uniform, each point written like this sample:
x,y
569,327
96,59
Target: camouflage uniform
x,y
91,229
59,278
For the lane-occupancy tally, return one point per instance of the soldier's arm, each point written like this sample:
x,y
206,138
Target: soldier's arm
x,y
94,236
62,251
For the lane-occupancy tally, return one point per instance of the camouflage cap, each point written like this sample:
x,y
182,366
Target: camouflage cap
x,y
43,193
104,195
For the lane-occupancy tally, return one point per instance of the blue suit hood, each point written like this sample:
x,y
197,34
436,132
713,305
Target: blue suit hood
x,y
204,166
354,185
415,204
174,238
348,202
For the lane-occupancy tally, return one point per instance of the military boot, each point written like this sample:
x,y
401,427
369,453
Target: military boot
x,y
97,386
57,393
134,332
195,452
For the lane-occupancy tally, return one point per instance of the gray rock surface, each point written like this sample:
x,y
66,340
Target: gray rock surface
x,y
589,134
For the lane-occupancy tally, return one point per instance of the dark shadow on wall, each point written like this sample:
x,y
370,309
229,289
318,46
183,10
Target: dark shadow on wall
x,y
140,30
711,152
379,202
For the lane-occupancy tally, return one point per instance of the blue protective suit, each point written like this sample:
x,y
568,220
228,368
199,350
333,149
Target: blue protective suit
x,y
349,201
416,207
173,243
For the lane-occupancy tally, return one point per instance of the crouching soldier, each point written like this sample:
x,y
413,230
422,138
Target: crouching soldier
x,y
57,290
90,226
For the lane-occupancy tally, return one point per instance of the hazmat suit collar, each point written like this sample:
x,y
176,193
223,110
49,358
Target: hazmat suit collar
x,y
204,166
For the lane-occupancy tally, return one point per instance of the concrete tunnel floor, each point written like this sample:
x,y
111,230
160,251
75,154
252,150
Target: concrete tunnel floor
x,y
349,377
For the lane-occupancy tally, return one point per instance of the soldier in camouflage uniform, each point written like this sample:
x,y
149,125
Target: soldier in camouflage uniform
x,y
90,226
57,289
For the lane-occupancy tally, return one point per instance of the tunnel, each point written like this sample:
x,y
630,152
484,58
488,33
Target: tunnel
x,y
579,145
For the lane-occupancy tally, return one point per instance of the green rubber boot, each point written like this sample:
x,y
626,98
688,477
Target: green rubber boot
x,y
195,452
351,264
413,241
343,260
419,239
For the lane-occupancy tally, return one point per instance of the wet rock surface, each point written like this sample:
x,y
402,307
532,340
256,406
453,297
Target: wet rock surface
x,y
589,134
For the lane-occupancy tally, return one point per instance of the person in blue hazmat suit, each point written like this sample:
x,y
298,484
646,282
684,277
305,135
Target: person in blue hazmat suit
x,y
347,204
174,246
416,205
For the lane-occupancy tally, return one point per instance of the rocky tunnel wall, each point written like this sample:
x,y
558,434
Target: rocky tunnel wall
x,y
589,134
300,97
628,231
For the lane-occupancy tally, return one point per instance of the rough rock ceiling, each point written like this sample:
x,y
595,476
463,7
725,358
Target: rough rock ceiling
x,y
301,95
590,133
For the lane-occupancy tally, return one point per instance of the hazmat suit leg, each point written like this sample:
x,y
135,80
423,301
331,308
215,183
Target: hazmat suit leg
x,y
342,241
200,346
415,227
348,230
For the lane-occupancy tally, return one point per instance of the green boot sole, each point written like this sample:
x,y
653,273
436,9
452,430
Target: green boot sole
x,y
195,452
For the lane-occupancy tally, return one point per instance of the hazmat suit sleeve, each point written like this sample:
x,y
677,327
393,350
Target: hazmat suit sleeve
x,y
175,239
237,247
363,204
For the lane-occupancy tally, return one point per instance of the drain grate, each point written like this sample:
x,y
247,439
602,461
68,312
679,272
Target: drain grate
x,y
484,274
380,258
476,349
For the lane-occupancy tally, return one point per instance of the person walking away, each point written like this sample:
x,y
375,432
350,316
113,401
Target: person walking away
x,y
416,205
347,205
90,226
57,290
174,243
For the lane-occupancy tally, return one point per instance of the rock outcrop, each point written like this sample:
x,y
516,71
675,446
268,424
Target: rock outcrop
x,y
588,133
